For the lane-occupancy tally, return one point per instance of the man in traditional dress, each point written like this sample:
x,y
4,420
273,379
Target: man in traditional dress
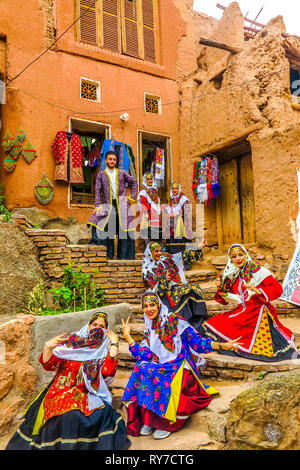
x,y
113,215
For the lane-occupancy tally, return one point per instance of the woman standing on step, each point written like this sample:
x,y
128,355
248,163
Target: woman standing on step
x,y
164,274
74,411
252,288
178,226
150,210
164,387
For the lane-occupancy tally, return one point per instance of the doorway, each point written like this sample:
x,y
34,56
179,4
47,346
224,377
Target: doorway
x,y
149,144
235,210
92,135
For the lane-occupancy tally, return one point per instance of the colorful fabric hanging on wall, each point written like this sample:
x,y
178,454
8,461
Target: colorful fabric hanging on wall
x,y
44,190
16,149
68,153
206,180
7,141
29,153
159,172
123,161
21,135
9,164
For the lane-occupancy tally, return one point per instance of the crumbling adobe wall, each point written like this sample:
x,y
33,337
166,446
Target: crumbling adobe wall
x,y
216,109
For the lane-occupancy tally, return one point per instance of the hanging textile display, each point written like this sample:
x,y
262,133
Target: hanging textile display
x,y
44,190
9,164
68,153
7,141
159,173
29,153
21,135
123,161
132,169
16,149
93,157
206,180
291,283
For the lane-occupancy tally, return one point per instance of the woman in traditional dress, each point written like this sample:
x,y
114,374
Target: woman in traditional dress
x,y
164,274
252,288
74,411
150,210
164,387
178,231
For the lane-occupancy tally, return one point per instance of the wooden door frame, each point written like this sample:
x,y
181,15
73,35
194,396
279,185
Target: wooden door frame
x,y
168,160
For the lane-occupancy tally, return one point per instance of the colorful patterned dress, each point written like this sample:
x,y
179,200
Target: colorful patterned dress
x,y
180,297
162,396
255,319
60,419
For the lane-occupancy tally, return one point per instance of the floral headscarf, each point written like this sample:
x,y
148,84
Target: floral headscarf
x,y
170,262
251,272
163,334
150,193
90,348
176,202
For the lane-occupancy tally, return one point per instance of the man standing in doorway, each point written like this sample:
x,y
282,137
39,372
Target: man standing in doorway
x,y
113,215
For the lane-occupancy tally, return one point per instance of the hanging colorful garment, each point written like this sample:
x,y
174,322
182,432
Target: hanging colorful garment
x,y
159,174
21,135
16,149
7,141
206,180
9,164
94,158
68,153
119,148
29,153
44,190
132,169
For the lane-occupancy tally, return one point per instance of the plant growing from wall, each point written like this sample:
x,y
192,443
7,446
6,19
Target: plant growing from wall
x,y
3,210
78,291
36,304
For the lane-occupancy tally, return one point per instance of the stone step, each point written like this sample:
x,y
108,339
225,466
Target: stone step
x,y
200,275
222,367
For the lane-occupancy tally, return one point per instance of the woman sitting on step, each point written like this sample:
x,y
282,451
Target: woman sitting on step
x,y
163,273
74,411
252,288
164,387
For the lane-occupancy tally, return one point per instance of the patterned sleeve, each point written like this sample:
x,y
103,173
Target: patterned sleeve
x,y
109,366
132,184
161,284
52,364
139,353
191,256
98,188
197,342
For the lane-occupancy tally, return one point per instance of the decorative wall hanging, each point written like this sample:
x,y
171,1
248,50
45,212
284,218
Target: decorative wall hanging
x,y
9,164
206,180
29,153
44,190
16,149
7,141
21,135
68,153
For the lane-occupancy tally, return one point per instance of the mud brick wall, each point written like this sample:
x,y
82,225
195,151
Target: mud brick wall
x,y
121,280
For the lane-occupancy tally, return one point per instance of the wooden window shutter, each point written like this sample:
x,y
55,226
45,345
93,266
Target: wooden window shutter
x,y
88,22
149,29
110,25
2,59
130,28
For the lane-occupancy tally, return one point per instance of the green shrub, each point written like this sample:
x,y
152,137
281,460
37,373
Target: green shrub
x,y
3,210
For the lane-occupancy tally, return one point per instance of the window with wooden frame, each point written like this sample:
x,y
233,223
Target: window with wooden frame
x,y
152,104
125,26
90,90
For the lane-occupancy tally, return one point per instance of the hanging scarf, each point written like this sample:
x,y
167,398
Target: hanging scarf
x,y
163,334
252,273
91,349
173,262
151,194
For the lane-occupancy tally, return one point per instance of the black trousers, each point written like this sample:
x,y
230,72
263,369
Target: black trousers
x,y
126,244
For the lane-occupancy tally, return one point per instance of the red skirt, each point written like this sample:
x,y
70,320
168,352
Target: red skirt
x,y
192,398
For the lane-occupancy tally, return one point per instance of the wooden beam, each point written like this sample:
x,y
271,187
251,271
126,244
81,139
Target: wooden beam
x,y
296,106
220,45
228,142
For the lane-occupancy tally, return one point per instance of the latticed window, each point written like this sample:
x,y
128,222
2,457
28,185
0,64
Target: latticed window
x,y
89,90
125,26
152,104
